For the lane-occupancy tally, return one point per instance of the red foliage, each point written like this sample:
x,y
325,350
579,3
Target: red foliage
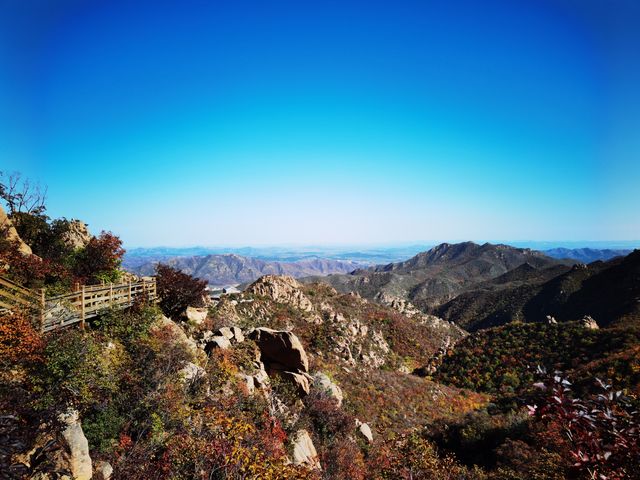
x,y
177,290
600,433
20,343
27,270
101,257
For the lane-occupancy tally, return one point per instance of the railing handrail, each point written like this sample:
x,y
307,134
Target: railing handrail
x,y
89,299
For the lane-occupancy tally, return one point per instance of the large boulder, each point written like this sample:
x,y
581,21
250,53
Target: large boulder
x,y
233,334
8,231
281,289
304,452
217,342
66,450
280,350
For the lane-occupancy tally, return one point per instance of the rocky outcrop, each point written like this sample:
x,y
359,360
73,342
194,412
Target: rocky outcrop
x,y
70,452
304,452
324,384
280,350
233,334
215,342
191,373
103,471
301,381
364,430
401,305
588,322
281,289
77,236
222,338
8,231
166,323
195,315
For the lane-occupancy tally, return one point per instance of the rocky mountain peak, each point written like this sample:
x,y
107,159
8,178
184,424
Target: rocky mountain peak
x,y
78,235
281,289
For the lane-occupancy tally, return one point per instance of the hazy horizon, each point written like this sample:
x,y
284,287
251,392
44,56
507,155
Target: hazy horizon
x,y
349,123
534,244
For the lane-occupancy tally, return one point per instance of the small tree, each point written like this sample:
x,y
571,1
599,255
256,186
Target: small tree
x,y
21,195
100,260
178,290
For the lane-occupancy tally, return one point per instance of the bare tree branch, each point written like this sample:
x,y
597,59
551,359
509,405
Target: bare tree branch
x,y
21,195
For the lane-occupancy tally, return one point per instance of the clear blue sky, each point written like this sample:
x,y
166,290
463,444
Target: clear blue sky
x,y
249,123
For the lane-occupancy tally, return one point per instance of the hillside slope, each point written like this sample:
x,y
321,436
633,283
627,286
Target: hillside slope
x,y
434,277
607,291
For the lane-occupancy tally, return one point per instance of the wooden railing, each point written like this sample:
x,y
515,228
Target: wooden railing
x,y
79,306
13,295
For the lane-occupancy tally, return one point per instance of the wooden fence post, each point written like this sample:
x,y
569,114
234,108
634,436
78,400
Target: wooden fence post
x,y
129,292
43,305
110,295
83,309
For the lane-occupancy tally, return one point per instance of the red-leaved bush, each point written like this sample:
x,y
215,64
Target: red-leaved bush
x,y
600,433
178,290
100,259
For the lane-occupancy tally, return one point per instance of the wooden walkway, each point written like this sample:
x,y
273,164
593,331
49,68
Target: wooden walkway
x,y
76,307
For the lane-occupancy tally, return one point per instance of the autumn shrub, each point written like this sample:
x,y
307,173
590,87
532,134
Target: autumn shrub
x,y
178,290
504,360
26,270
325,418
518,460
411,456
20,343
100,260
79,370
128,326
102,425
599,434
474,437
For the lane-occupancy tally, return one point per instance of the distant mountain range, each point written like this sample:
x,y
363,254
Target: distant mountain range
x,y
364,255
587,255
230,269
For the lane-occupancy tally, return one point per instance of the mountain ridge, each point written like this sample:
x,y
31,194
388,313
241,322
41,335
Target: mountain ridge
x,y
435,276
233,269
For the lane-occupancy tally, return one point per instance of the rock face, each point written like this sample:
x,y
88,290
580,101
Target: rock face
x,y
282,290
302,381
280,350
77,236
7,228
588,322
304,452
75,454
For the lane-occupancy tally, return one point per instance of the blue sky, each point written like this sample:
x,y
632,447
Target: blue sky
x,y
253,123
